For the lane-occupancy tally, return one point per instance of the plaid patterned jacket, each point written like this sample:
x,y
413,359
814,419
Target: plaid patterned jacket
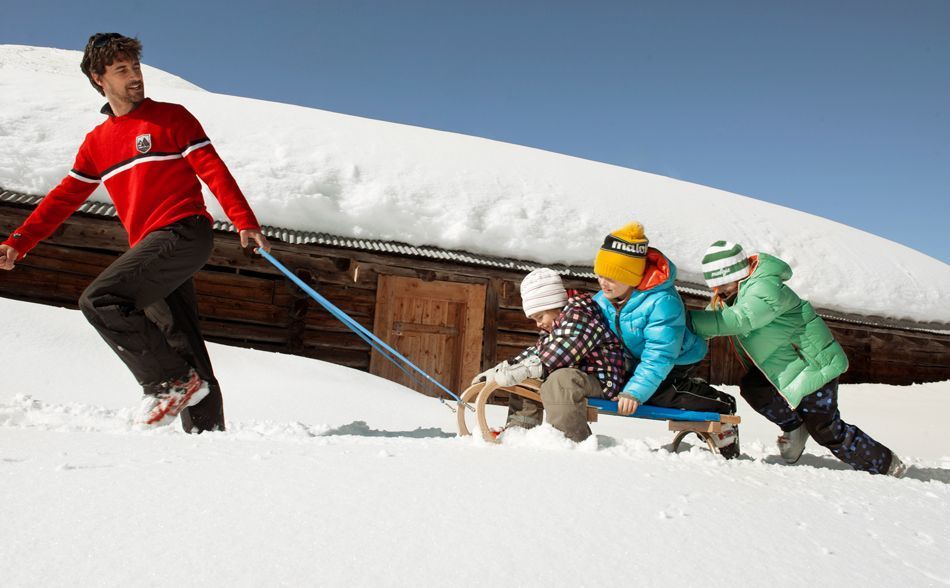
x,y
581,339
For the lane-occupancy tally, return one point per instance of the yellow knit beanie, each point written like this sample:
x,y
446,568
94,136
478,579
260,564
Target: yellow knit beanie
x,y
623,256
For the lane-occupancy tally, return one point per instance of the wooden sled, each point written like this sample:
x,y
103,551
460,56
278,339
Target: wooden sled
x,y
683,422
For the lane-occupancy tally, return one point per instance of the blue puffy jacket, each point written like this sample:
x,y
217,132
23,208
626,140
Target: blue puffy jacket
x,y
652,326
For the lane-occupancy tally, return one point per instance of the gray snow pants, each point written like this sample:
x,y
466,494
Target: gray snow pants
x,y
564,396
144,307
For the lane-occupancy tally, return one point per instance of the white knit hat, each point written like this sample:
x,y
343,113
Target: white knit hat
x,y
724,262
542,289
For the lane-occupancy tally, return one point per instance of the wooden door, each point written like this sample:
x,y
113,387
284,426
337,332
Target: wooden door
x,y
436,325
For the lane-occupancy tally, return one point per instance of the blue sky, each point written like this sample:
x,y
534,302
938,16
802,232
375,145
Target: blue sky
x,y
840,109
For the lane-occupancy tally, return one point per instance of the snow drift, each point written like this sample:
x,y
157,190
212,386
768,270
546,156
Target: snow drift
x,y
329,476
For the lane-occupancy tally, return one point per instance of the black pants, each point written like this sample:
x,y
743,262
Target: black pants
x,y
681,391
144,307
819,413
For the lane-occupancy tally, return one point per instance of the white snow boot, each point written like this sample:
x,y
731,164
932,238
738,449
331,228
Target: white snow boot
x,y
163,407
791,444
897,468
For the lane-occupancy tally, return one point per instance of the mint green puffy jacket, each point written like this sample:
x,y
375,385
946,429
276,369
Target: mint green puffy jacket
x,y
781,333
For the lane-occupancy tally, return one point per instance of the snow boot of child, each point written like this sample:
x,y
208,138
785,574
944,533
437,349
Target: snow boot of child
x,y
727,441
164,406
897,469
791,444
499,434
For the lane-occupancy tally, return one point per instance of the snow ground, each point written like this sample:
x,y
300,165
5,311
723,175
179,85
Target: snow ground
x,y
313,170
329,476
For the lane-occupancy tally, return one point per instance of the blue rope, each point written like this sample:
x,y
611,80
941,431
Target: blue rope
x,y
365,334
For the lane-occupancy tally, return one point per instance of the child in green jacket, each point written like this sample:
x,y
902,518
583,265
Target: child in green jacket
x,y
792,357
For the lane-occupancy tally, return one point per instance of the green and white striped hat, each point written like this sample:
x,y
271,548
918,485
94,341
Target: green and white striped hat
x,y
724,262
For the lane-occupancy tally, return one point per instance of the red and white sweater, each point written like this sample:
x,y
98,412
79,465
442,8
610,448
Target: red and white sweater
x,y
148,160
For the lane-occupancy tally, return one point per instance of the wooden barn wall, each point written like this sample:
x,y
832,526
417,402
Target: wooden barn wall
x,y
244,301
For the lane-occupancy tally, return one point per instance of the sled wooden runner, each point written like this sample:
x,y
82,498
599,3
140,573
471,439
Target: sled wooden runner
x,y
481,392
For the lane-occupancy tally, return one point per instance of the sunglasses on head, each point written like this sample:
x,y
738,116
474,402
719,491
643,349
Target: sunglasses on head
x,y
101,39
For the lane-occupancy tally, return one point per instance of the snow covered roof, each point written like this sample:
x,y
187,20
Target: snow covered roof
x,y
320,173
393,247
372,245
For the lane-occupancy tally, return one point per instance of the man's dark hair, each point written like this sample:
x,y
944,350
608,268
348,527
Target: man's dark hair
x,y
103,49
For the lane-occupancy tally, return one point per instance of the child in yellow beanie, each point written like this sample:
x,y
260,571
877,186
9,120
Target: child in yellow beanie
x,y
623,256
639,301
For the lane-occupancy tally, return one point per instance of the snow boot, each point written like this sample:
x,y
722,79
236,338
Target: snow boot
x,y
499,434
791,444
163,407
897,468
727,441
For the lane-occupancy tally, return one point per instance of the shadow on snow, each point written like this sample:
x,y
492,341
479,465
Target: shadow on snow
x,y
827,462
361,429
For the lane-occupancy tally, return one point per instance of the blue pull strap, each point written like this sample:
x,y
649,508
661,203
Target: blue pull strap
x,y
364,333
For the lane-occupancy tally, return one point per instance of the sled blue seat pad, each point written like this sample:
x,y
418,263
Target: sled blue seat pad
x,y
645,411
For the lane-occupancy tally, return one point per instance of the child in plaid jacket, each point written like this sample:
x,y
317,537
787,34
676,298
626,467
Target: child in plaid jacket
x,y
576,356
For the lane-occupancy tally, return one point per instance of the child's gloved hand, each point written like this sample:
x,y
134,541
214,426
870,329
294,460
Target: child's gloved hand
x,y
510,374
487,375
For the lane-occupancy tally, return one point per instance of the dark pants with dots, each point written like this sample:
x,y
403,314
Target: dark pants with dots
x,y
681,390
819,413
144,307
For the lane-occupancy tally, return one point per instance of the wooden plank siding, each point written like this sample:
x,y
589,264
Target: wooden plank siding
x,y
438,325
244,301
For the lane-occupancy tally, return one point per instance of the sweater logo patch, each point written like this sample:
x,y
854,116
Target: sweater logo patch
x,y
143,143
